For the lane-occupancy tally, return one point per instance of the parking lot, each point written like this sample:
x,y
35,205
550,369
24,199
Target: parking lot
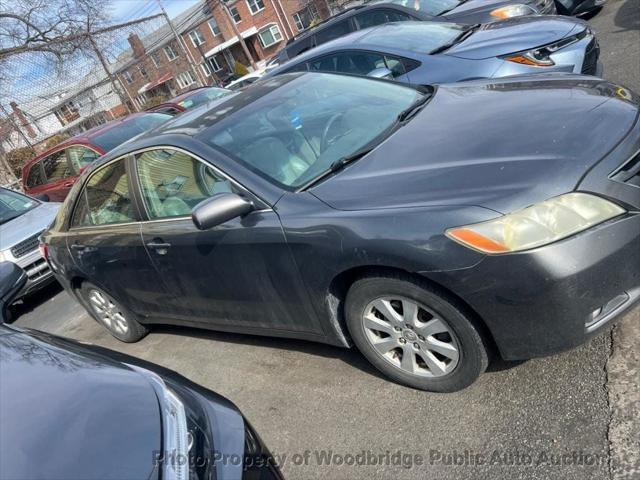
x,y
571,416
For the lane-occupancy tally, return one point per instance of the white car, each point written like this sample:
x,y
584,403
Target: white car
x,y
245,81
22,220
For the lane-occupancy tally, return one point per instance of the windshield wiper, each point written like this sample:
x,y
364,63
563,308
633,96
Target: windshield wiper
x,y
409,112
463,36
338,165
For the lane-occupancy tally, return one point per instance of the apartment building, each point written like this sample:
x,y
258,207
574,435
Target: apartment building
x,y
210,47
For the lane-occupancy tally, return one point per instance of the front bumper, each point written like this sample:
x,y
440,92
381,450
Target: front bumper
x,y
37,269
543,301
588,6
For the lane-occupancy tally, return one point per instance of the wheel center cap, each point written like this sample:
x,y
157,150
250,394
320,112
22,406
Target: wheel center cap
x,y
409,335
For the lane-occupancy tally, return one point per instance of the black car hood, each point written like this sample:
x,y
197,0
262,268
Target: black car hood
x,y
514,35
66,415
502,145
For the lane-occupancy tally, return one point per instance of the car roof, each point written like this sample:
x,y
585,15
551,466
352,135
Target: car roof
x,y
182,96
87,136
355,39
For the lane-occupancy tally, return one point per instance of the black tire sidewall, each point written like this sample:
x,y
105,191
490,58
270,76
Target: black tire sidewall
x,y
473,358
136,330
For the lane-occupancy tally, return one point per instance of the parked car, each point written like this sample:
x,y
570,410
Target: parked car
x,y
190,99
422,225
578,7
111,416
22,220
386,11
54,172
245,81
422,53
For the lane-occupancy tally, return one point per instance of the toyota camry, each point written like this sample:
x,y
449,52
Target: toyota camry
x,y
431,228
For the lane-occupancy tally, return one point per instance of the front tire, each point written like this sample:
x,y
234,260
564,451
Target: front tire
x,y
118,320
415,335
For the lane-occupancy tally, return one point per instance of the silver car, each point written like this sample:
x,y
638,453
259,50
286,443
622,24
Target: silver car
x,y
422,53
22,220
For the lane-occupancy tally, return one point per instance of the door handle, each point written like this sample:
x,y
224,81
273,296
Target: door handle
x,y
161,248
78,246
68,185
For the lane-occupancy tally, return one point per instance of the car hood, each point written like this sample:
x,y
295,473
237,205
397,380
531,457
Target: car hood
x,y
31,223
500,144
514,35
68,415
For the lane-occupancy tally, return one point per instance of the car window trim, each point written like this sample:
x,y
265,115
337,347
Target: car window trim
x,y
143,216
197,158
401,58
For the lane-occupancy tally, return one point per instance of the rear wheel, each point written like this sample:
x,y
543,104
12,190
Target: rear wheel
x,y
415,335
118,320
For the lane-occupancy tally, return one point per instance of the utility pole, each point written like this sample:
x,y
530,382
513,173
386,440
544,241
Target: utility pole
x,y
237,33
112,78
201,81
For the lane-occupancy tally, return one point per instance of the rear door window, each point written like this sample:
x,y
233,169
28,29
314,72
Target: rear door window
x,y
36,175
106,198
56,167
332,32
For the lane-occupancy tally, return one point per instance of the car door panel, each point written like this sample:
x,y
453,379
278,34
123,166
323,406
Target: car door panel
x,y
240,273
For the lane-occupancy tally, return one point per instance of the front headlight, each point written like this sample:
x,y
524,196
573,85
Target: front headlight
x,y
540,56
537,225
513,11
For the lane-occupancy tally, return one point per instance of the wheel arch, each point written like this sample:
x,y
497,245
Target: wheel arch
x,y
341,283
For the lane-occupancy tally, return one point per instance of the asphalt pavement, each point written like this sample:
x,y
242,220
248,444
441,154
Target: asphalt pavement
x,y
327,414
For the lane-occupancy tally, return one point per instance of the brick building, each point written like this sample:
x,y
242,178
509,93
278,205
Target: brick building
x,y
158,65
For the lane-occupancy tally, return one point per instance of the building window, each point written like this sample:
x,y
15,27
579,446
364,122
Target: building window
x,y
67,113
185,79
270,36
170,52
255,6
211,65
213,25
306,17
235,14
155,58
142,70
196,37
128,76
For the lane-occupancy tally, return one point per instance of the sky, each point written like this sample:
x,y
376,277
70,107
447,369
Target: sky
x,y
123,10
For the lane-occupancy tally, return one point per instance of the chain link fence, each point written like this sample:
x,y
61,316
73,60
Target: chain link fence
x,y
45,99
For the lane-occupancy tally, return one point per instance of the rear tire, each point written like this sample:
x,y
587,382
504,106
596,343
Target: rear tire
x,y
108,312
414,334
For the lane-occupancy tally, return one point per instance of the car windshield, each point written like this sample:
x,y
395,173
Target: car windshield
x,y
418,37
203,96
13,204
296,132
128,129
430,7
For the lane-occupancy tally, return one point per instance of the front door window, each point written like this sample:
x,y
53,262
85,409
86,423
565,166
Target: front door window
x,y
173,182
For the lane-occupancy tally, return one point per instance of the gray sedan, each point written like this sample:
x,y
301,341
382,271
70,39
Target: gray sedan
x,y
22,220
422,53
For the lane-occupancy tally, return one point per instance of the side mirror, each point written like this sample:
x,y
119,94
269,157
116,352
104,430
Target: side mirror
x,y
381,73
43,197
219,209
12,279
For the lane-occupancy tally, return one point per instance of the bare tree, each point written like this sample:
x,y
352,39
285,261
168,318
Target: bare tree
x,y
54,27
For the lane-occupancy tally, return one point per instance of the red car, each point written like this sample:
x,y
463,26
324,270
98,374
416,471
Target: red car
x,y
53,173
190,99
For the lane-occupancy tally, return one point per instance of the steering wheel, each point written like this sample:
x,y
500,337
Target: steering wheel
x,y
326,140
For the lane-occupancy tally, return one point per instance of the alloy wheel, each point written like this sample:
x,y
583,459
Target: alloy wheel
x,y
108,312
410,336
